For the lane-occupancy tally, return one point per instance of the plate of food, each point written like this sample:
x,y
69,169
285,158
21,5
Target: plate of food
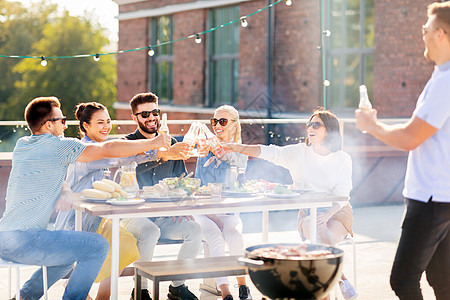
x,y
124,201
282,192
95,199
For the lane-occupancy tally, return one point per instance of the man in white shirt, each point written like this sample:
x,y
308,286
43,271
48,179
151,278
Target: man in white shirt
x,y
425,241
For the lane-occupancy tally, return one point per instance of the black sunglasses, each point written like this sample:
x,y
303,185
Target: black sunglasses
x,y
221,121
314,125
63,120
146,114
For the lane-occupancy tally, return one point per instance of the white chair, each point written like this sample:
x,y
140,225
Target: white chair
x,y
10,265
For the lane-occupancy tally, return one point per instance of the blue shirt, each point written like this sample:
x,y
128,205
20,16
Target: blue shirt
x,y
428,170
39,166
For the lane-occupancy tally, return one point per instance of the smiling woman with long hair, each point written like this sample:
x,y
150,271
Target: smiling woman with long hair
x,y
319,165
221,229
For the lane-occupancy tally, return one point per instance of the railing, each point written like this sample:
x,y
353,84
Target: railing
x,y
8,137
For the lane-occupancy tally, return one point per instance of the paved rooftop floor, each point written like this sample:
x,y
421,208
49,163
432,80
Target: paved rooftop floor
x,y
377,230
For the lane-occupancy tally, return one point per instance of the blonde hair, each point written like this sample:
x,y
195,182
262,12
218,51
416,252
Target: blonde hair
x,y
234,113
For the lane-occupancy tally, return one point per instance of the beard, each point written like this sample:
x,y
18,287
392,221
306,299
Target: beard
x,y
145,129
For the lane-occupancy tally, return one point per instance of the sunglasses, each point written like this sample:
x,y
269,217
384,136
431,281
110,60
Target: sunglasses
x,y
146,114
221,121
63,120
314,125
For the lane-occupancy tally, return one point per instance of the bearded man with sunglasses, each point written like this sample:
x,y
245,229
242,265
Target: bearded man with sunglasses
x,y
145,113
425,239
36,187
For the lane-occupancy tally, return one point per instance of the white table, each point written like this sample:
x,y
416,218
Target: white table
x,y
198,207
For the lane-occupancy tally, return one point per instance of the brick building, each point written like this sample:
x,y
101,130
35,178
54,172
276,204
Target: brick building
x,y
274,67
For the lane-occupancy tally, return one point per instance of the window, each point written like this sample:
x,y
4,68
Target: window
x,y
349,55
224,57
161,63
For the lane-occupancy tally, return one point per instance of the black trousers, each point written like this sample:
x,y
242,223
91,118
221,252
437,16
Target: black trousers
x,y
424,247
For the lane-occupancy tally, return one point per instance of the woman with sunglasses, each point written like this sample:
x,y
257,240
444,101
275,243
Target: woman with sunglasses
x,y
319,165
222,229
95,126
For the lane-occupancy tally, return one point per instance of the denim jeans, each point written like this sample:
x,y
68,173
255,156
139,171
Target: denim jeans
x,y
188,231
58,250
424,246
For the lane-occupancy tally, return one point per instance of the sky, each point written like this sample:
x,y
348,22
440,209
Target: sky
x,y
106,10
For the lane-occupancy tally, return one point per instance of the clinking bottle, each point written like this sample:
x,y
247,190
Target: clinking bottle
x,y
364,102
191,136
202,143
164,128
216,145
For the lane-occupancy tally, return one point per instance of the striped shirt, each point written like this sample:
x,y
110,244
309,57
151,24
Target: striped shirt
x,y
39,166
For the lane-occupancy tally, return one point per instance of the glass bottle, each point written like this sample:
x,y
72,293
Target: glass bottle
x,y
364,102
163,128
191,136
216,145
232,177
202,142
241,177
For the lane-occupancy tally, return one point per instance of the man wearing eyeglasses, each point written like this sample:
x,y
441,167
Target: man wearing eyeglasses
x,y
145,113
425,240
35,187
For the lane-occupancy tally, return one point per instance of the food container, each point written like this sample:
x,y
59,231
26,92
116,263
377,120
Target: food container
x,y
294,277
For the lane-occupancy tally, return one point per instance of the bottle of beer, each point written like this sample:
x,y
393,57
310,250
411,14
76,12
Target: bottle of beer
x,y
164,129
364,102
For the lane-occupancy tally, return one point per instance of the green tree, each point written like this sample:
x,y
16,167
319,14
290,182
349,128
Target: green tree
x,y
72,80
19,30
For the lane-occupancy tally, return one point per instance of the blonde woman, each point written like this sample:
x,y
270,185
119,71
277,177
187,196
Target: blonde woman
x,y
222,229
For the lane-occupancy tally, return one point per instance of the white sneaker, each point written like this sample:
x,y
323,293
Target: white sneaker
x,y
347,290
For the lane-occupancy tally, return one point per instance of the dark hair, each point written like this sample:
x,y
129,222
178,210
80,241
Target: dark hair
x,y
84,112
39,110
442,13
333,140
141,98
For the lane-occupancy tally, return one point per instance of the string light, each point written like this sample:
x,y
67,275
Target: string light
x,y
327,33
150,52
244,22
97,57
43,61
326,83
288,2
198,38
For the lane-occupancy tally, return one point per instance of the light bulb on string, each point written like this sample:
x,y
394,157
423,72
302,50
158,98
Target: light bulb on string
x,y
43,61
97,57
288,2
326,83
327,33
198,39
244,22
151,52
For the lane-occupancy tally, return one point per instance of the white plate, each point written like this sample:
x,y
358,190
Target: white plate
x,y
282,196
125,202
94,199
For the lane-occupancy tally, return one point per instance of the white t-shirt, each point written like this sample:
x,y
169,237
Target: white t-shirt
x,y
428,170
330,173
